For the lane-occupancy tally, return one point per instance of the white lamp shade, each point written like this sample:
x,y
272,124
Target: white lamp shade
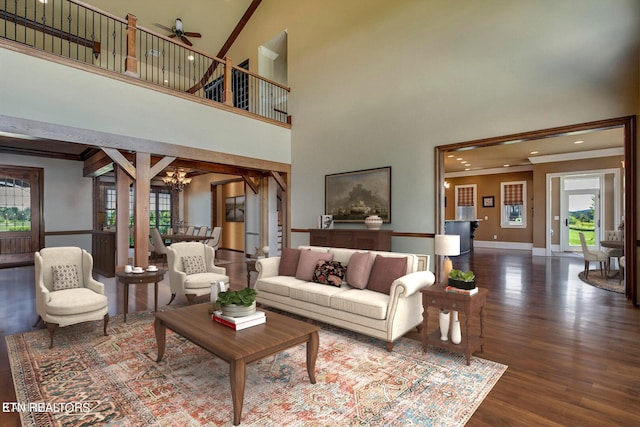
x,y
447,244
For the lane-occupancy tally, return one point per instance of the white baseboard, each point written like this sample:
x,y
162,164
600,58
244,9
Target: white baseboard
x,y
494,244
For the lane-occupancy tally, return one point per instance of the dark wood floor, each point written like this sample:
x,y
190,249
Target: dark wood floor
x,y
573,351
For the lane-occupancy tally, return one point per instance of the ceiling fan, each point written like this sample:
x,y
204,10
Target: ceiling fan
x,y
177,31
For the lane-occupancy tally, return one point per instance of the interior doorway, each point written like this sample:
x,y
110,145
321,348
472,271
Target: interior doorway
x,y
581,212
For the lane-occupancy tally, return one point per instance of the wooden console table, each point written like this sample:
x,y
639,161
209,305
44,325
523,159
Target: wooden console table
x,y
435,296
375,240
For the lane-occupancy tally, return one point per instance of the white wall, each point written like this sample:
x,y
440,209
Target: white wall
x,y
378,83
67,198
43,91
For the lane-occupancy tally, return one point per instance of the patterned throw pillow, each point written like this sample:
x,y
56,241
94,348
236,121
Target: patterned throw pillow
x,y
193,264
329,273
65,277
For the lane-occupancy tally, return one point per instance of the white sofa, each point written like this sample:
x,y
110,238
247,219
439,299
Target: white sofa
x,y
372,313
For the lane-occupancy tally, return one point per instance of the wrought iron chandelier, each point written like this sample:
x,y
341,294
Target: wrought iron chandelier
x,y
176,179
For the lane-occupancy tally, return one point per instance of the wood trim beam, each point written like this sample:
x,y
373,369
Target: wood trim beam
x,y
227,45
281,182
123,182
121,161
252,185
160,165
98,164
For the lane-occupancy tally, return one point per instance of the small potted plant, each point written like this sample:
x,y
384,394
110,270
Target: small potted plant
x,y
462,279
237,303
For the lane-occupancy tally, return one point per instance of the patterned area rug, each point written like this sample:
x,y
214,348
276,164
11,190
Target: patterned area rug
x,y
610,283
90,379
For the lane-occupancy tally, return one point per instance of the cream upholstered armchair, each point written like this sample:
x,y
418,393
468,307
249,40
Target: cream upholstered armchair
x,y
66,293
191,269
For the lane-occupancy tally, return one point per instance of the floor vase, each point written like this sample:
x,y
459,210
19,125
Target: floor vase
x,y
456,333
444,318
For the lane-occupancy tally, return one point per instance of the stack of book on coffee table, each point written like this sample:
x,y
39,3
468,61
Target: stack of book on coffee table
x,y
239,323
454,290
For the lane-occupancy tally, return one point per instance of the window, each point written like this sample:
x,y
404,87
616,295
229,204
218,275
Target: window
x,y
513,204
159,208
466,202
15,204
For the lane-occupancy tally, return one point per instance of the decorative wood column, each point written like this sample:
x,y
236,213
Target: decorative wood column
x,y
227,95
131,63
141,209
123,182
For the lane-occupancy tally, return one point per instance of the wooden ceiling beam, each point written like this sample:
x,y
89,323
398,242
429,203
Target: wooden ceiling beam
x,y
280,180
253,185
121,161
160,165
96,165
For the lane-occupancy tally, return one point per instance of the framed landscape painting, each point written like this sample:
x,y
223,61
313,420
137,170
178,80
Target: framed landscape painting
x,y
234,209
353,196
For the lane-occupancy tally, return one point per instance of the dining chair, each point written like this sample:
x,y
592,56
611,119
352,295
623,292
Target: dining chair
x,y
591,255
214,241
159,248
612,252
190,230
202,231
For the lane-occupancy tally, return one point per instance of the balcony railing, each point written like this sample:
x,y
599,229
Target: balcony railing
x,y
80,32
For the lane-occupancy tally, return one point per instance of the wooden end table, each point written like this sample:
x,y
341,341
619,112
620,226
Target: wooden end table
x,y
137,278
435,296
238,348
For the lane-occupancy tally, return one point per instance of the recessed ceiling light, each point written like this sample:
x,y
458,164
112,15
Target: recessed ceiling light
x,y
450,155
191,57
534,152
459,158
578,142
506,166
467,169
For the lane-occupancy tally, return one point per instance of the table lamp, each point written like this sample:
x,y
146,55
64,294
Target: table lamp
x,y
447,245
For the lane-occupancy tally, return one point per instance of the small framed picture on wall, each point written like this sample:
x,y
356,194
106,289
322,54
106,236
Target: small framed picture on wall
x,y
487,202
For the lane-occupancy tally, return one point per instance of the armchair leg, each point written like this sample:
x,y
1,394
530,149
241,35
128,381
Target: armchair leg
x,y
37,321
106,323
389,346
190,298
171,300
52,327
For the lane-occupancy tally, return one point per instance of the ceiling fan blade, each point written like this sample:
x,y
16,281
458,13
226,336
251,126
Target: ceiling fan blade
x,y
164,27
186,41
190,34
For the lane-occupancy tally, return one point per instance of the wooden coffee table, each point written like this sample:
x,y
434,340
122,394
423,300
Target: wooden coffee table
x,y
238,348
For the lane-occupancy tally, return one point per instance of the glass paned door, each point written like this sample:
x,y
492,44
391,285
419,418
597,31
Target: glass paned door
x,y
20,218
582,215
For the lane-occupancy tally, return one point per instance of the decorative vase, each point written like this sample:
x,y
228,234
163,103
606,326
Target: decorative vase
x,y
444,318
456,333
373,222
233,310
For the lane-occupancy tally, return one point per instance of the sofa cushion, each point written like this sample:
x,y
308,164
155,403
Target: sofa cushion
x,y
288,262
362,302
68,302
307,263
384,271
314,293
203,280
65,277
329,273
278,285
359,269
193,264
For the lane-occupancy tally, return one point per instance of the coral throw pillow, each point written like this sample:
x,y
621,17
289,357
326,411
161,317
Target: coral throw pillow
x,y
288,262
384,271
307,263
358,269
329,273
